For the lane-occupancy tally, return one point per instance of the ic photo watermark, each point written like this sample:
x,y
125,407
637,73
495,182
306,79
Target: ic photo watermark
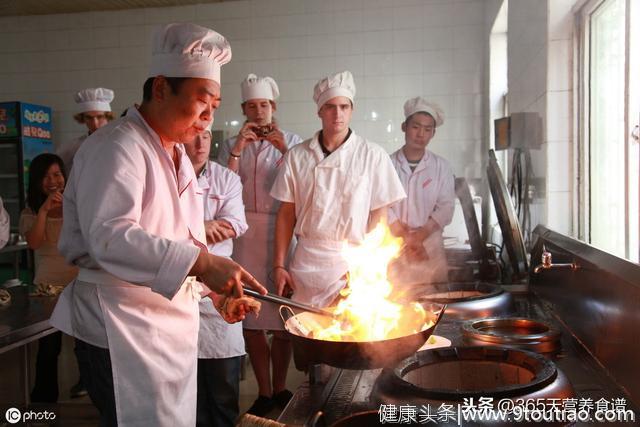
x,y
15,416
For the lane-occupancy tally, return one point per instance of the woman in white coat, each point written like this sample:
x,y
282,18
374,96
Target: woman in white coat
x,y
429,182
133,224
256,155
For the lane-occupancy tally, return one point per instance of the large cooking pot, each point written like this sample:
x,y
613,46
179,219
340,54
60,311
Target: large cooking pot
x,y
353,354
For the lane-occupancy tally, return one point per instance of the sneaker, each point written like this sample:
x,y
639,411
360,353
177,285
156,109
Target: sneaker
x,y
282,398
78,390
262,406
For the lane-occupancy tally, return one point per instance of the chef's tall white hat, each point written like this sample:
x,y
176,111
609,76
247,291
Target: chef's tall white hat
x,y
94,99
254,87
339,84
420,105
188,50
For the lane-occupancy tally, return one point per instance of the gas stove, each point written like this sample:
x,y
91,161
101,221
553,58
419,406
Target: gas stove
x,y
464,370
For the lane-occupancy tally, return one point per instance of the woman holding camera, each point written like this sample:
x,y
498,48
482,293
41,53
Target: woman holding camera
x,y
256,154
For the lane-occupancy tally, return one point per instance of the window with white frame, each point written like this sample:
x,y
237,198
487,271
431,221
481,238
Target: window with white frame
x,y
609,105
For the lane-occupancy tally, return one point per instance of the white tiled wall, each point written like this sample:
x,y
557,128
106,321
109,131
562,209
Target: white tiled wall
x,y
540,70
395,48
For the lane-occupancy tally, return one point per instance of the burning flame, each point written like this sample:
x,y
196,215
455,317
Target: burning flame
x,y
366,313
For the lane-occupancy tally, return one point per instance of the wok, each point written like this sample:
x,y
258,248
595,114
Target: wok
x,y
353,354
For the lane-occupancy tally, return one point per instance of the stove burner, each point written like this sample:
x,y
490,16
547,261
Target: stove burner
x,y
451,374
513,332
466,300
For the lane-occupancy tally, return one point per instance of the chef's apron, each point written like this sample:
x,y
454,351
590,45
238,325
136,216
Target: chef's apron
x,y
153,347
318,270
254,252
433,270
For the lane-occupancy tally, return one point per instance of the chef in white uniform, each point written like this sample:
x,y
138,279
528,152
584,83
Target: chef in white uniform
x,y
429,182
333,187
4,225
133,223
94,111
256,155
220,344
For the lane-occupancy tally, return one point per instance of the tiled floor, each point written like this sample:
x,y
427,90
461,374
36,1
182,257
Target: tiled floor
x,y
81,412
249,387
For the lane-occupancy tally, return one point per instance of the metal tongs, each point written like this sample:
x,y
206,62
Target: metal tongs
x,y
276,299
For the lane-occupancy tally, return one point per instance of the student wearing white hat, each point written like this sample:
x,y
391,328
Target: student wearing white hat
x,y
429,182
220,344
333,188
94,111
133,223
256,155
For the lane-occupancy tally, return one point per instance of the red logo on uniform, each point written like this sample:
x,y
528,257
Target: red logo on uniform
x,y
426,182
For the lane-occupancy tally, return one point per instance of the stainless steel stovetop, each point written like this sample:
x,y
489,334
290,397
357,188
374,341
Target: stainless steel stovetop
x,y
339,393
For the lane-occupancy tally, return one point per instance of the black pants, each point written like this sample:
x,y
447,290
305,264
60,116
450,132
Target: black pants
x,y
46,382
218,392
97,376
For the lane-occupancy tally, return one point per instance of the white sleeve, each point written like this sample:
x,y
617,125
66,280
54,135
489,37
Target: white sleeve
x,y
4,225
232,208
109,212
446,203
283,188
393,213
385,182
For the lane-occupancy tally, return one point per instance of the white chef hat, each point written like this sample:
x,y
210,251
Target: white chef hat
x,y
339,84
254,87
188,50
94,99
420,105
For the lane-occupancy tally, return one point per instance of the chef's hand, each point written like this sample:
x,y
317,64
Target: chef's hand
x,y
245,136
218,230
223,275
414,239
399,229
276,138
285,286
54,201
230,313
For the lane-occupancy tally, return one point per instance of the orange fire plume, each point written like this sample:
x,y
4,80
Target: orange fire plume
x,y
365,312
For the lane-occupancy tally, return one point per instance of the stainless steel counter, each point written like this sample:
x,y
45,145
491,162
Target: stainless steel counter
x,y
339,393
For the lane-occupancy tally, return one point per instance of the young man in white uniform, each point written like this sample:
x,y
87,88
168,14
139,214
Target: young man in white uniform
x,y
220,344
256,155
333,187
133,224
429,182
94,111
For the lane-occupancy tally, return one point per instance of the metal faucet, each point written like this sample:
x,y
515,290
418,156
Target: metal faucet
x,y
547,263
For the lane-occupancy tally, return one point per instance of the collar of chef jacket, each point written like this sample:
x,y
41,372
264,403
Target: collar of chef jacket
x,y
405,163
183,178
338,157
204,176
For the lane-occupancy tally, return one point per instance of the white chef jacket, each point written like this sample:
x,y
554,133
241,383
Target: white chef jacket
x,y
4,225
68,151
430,194
134,227
258,168
430,191
333,197
222,195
